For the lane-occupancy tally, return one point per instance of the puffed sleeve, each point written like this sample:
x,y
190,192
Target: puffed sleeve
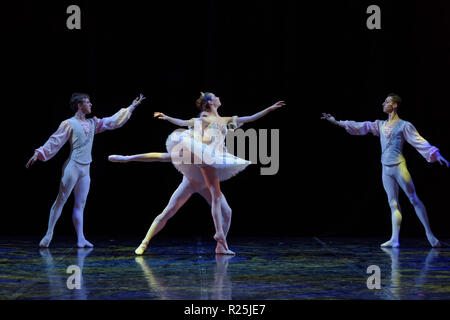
x,y
55,142
361,128
232,124
429,152
113,122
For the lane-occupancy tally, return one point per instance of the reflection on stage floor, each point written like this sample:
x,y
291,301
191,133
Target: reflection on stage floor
x,y
188,269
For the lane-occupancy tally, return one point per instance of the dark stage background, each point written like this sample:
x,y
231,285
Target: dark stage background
x,y
317,56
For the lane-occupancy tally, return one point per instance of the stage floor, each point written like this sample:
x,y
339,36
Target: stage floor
x,y
188,269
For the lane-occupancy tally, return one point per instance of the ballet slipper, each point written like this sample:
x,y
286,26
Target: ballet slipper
x,y
84,244
434,242
140,250
221,239
391,244
45,242
436,245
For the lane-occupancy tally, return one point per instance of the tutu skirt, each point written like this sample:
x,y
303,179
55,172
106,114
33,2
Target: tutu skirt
x,y
189,154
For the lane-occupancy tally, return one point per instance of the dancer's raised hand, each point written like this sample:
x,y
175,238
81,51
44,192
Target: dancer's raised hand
x,y
442,160
32,160
138,100
256,116
160,115
277,105
328,117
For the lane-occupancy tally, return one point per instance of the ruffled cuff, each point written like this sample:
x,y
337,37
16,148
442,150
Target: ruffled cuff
x,y
434,155
40,154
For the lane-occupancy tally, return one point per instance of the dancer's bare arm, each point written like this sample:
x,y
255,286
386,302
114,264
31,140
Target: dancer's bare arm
x,y
178,122
256,116
330,118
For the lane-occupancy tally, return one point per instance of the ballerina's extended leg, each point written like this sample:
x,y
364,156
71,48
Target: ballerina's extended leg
x,y
145,157
179,197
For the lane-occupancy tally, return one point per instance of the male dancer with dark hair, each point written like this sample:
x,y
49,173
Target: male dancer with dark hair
x,y
75,176
393,132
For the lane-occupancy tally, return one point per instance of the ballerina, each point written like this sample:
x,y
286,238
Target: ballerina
x,y
200,155
75,175
392,133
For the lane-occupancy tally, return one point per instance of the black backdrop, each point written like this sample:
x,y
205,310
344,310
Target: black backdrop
x,y
317,56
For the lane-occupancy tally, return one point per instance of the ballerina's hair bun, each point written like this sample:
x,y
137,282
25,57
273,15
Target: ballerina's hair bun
x,y
202,102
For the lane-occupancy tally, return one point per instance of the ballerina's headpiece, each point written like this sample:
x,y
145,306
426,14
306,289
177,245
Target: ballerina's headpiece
x,y
206,96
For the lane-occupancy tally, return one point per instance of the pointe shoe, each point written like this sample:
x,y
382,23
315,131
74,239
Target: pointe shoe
x,y
221,240
220,249
140,250
117,158
84,244
434,242
437,245
45,242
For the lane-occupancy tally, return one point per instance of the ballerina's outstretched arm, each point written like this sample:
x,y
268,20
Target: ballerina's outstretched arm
x,y
178,122
241,120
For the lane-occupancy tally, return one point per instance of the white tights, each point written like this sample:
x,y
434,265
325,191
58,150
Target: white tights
x,y
393,177
75,177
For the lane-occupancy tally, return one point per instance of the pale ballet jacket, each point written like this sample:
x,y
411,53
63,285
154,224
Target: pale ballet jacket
x,y
81,135
392,140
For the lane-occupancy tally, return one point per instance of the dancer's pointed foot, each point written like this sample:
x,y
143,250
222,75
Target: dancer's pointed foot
x,y
84,244
220,238
434,242
391,244
220,249
118,158
45,242
140,250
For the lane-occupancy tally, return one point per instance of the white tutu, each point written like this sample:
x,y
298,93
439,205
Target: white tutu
x,y
189,153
